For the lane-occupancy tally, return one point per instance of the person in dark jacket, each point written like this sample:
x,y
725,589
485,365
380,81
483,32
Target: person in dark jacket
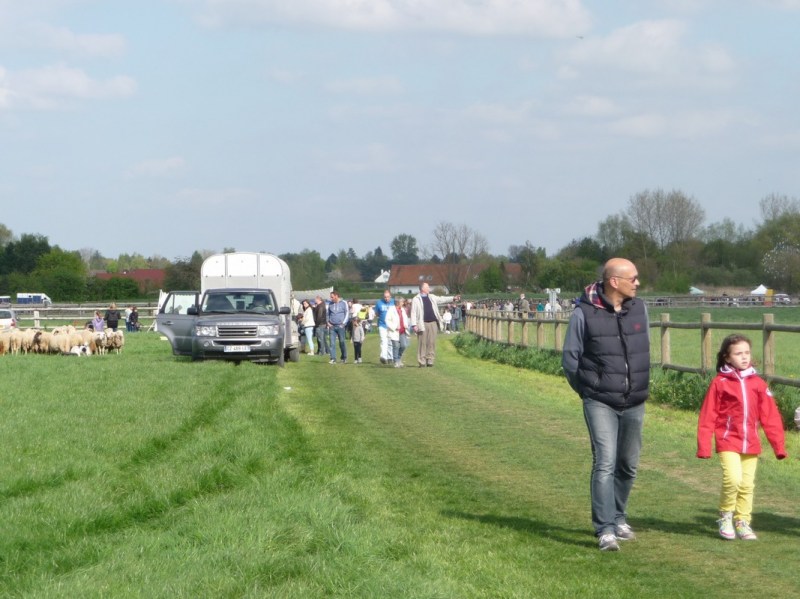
x,y
606,360
321,326
112,317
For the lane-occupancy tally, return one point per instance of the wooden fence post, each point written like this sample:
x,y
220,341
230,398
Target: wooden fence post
x,y
559,343
706,350
511,330
539,333
769,345
666,357
525,332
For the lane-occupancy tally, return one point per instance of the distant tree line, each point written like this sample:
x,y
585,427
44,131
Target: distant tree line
x,y
664,232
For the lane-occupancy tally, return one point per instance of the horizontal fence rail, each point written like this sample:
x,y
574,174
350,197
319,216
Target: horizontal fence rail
x,y
547,331
78,315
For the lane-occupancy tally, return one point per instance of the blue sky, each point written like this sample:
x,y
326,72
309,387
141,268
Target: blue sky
x,y
161,127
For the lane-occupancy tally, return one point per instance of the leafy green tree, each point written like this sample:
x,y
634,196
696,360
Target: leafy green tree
x,y
22,256
492,278
371,265
62,275
134,261
404,249
184,274
121,289
530,260
307,268
5,235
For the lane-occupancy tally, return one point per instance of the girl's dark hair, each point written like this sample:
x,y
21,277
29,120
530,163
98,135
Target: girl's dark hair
x,y
722,355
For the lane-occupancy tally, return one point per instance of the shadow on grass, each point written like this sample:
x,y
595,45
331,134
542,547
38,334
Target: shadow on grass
x,y
582,537
704,523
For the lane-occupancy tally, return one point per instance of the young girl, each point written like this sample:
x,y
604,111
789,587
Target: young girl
x,y
736,402
358,339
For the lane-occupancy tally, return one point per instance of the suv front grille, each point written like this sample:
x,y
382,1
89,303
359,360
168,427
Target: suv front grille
x,y
237,330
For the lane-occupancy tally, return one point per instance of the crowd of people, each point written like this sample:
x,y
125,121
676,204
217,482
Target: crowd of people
x,y
110,320
326,326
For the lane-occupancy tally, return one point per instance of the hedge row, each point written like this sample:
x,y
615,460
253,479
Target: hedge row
x,y
677,389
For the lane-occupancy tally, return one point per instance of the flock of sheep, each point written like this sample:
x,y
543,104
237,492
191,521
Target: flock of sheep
x,y
66,340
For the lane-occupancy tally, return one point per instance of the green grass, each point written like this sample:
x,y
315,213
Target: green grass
x,y
142,475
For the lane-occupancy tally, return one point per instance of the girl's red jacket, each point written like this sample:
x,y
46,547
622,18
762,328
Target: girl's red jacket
x,y
736,401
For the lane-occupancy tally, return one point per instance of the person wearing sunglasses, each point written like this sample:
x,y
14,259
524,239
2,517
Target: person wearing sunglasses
x,y
606,360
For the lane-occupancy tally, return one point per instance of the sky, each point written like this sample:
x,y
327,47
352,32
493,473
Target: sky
x,y
161,127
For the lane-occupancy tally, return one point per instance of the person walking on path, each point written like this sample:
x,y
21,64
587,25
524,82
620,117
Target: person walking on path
x,y
338,316
426,323
737,401
307,324
357,335
606,360
382,307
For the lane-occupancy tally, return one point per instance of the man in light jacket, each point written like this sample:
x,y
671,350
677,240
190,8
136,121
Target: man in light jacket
x,y
426,323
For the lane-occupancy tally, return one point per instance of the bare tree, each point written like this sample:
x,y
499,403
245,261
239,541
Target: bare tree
x,y
666,218
459,247
774,206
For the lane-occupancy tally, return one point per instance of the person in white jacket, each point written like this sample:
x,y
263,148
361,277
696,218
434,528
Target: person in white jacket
x,y
426,323
393,334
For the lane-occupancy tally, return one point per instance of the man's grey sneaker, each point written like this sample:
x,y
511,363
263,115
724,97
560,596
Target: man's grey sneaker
x,y
608,542
624,532
725,523
383,360
332,362
744,532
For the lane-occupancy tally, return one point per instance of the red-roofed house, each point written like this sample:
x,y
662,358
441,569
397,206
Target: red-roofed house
x,y
148,279
406,278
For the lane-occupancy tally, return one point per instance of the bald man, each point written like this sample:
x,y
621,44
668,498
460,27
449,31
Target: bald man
x,y
607,362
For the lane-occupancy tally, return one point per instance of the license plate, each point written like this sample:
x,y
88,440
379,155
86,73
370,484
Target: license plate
x,y
237,348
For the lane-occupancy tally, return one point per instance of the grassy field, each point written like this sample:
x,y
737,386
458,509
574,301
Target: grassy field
x,y
142,475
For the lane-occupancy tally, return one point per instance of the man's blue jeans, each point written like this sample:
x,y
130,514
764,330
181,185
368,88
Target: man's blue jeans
x,y
323,346
338,331
616,437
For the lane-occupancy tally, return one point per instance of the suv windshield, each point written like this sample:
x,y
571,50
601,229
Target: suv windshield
x,y
238,302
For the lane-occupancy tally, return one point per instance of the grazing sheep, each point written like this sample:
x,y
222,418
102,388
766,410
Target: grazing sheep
x,y
64,340
15,341
41,342
116,341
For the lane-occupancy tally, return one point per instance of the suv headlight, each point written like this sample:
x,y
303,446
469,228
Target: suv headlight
x,y
206,331
268,330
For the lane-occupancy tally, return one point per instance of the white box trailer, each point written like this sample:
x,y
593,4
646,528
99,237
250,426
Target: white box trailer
x,y
248,270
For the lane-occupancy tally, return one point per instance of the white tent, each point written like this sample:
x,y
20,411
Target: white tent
x,y
696,291
760,290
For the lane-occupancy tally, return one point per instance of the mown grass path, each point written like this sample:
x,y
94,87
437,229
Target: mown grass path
x,y
503,458
145,476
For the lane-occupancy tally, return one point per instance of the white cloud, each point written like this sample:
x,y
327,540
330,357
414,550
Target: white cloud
x,y
49,87
656,50
547,18
63,39
367,86
158,168
691,124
